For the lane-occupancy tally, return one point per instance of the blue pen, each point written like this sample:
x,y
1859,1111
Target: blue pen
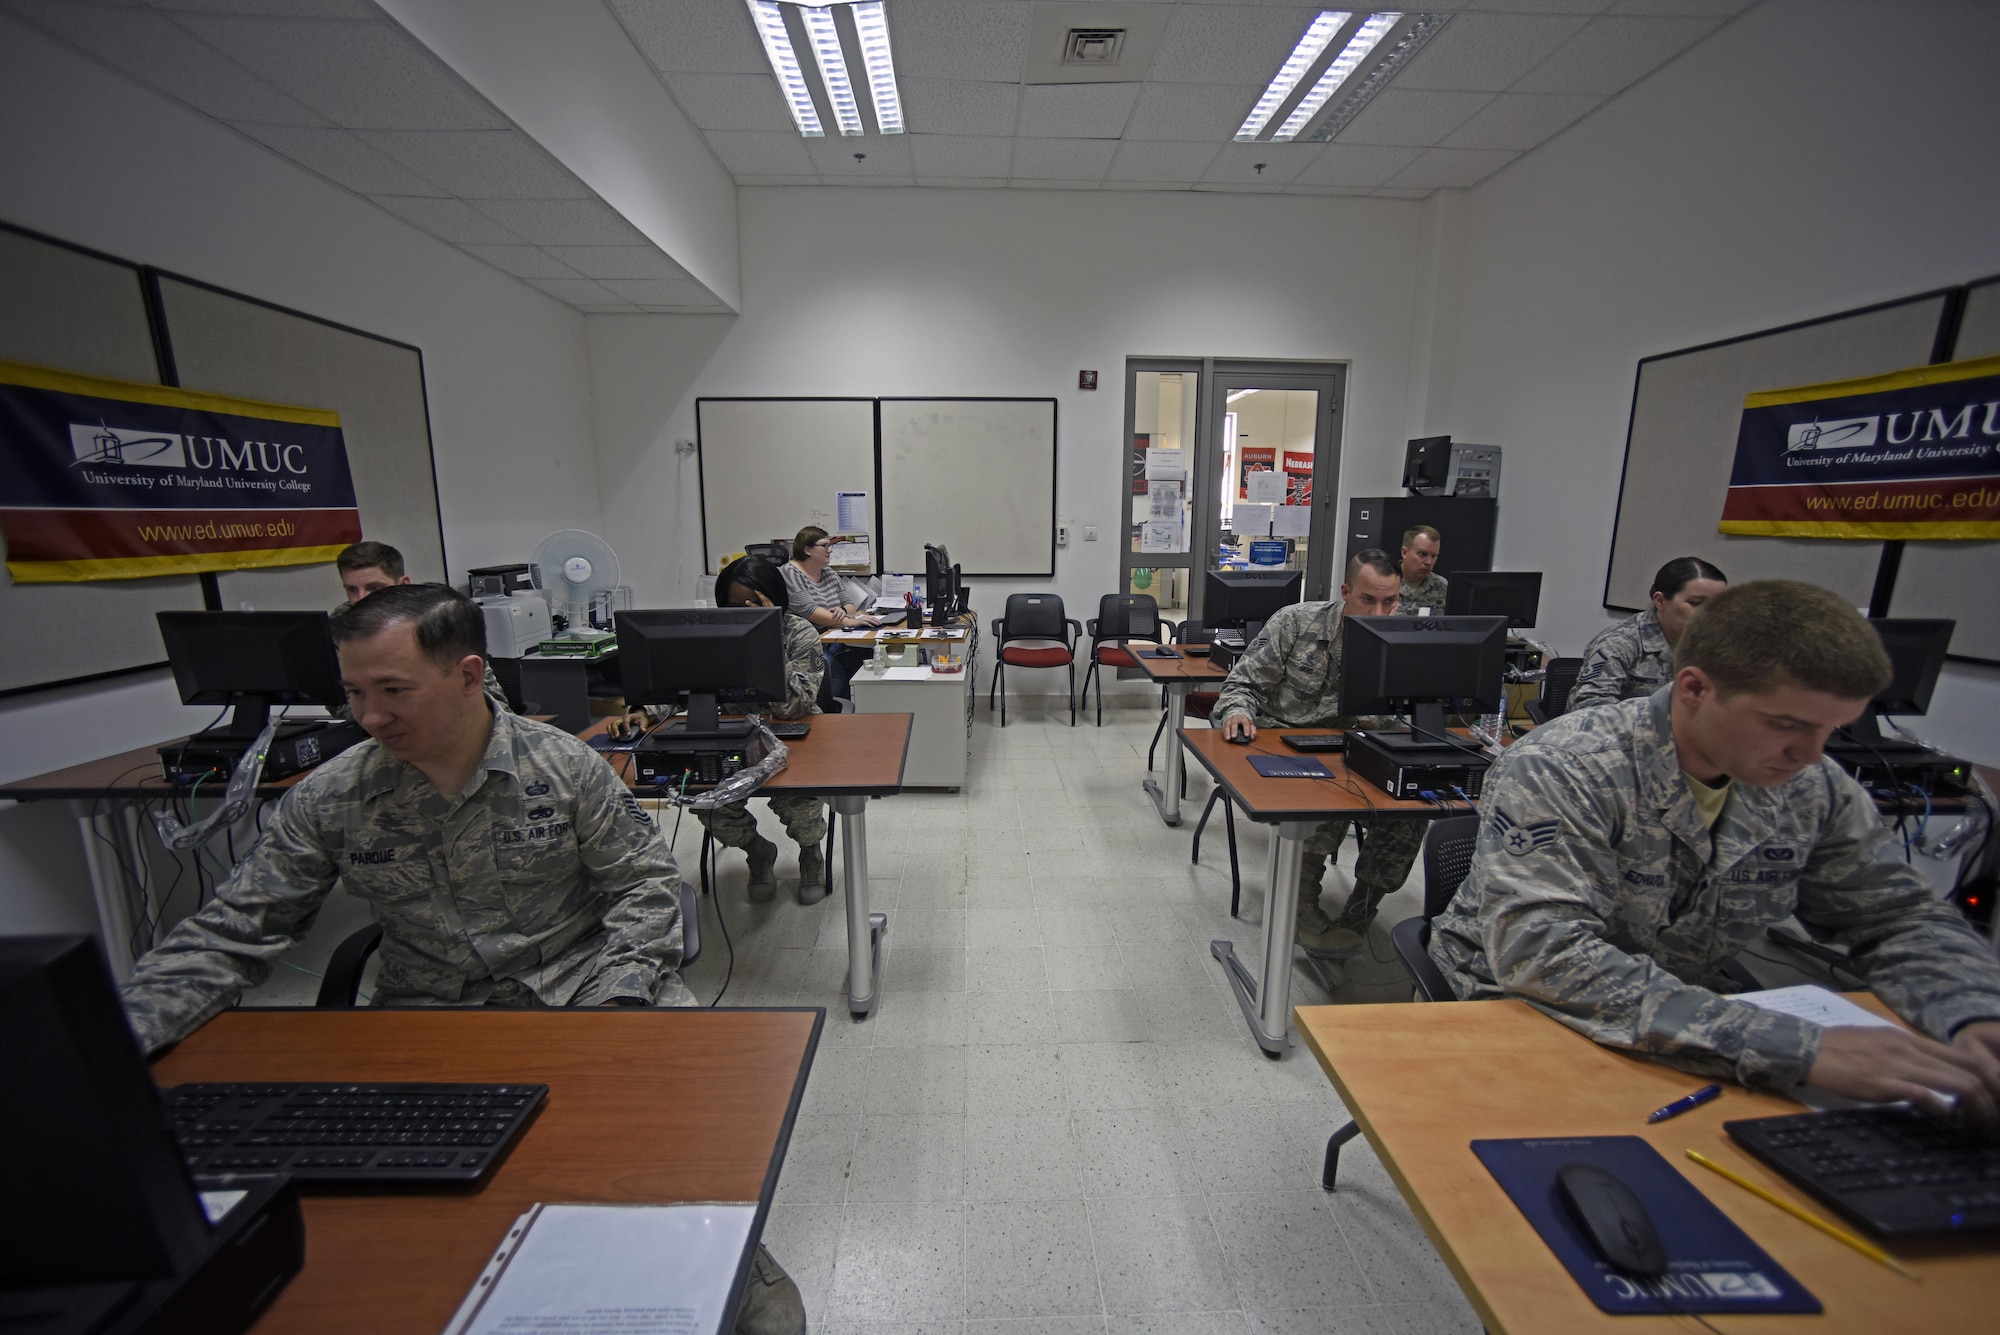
x,y
1679,1106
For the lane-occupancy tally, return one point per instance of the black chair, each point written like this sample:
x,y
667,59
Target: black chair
x,y
1033,616
1448,849
1558,679
1121,617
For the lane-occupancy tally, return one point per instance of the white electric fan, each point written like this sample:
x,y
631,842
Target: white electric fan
x,y
573,568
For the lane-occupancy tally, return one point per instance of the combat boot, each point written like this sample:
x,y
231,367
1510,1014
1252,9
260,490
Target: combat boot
x,y
763,870
812,873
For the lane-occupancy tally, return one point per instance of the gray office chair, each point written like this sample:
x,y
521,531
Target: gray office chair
x,y
1448,848
1558,679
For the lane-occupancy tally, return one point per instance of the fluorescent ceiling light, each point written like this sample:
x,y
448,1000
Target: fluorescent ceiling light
x,y
872,27
770,23
1296,64
825,40
1365,39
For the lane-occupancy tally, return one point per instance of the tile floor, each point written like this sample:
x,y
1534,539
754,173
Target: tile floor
x,y
1056,1121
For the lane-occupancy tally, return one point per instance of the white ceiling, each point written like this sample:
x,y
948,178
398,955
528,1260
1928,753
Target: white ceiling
x,y
339,88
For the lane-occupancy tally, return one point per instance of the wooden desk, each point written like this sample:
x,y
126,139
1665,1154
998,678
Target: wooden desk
x,y
1179,674
1295,807
1425,1081
652,1106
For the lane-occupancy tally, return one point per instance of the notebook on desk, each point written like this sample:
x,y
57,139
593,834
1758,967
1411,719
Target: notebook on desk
x,y
1289,767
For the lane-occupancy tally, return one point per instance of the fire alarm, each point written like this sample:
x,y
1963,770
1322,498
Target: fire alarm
x,y
1086,380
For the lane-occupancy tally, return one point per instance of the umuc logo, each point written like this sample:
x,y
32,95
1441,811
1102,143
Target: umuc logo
x,y
1846,433
102,444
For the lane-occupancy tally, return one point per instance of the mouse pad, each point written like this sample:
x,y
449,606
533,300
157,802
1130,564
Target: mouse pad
x,y
1285,767
1712,1265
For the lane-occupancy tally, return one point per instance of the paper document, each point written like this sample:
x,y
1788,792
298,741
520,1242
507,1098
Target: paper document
x,y
894,587
1249,518
1165,465
1266,488
1291,521
610,1270
850,512
1165,502
850,552
1808,1001
1160,537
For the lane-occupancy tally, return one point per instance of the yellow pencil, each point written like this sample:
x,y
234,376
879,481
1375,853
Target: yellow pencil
x,y
1866,1248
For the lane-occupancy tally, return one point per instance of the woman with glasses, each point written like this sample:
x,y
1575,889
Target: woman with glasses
x,y
817,596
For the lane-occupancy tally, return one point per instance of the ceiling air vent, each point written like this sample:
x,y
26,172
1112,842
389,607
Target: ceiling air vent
x,y
1093,46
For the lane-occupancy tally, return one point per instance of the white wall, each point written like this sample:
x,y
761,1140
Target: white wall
x,y
1813,156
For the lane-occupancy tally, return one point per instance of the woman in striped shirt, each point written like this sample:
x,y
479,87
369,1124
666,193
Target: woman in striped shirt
x,y
817,596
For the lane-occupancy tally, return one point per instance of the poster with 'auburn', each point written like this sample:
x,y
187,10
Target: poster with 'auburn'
x,y
108,479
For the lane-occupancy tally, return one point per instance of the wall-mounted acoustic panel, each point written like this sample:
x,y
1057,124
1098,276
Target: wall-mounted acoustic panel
x,y
978,475
770,467
227,344
77,311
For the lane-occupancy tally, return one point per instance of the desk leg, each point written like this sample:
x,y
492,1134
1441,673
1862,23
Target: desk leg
x,y
1268,1006
107,884
1169,800
864,929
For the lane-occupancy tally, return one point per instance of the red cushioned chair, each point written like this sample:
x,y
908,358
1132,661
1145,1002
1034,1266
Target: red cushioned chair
x,y
1033,616
1121,617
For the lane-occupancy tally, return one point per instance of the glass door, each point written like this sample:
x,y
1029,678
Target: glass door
x,y
1268,501
1161,419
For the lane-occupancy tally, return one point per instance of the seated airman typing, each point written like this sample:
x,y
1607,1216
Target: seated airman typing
x,y
1629,851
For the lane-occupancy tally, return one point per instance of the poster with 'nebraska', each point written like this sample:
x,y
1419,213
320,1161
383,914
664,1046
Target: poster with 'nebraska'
x,y
108,479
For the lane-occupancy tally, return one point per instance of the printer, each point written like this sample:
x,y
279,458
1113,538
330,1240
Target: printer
x,y
515,623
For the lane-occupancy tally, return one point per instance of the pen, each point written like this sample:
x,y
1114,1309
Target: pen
x,y
1679,1106
1867,1249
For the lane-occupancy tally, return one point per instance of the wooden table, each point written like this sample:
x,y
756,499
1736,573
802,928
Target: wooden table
x,y
653,1106
1295,807
1425,1081
1179,674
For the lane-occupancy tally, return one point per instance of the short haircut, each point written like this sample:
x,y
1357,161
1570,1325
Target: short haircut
x,y
752,572
1422,531
449,626
1771,633
1375,559
1682,571
370,556
802,545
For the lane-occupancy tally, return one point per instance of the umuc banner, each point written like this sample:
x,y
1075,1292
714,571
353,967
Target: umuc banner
x,y
1915,454
107,479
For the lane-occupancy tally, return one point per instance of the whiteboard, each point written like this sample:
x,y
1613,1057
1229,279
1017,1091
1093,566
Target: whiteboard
x,y
770,467
978,475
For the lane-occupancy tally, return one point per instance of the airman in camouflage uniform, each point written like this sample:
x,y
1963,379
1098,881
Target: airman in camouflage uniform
x,y
1429,594
547,883
1599,895
1624,661
804,816
1289,677
489,684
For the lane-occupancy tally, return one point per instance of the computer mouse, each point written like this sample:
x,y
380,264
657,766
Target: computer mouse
x,y
1613,1219
1238,739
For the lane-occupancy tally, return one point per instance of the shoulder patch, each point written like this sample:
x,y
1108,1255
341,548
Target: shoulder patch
x,y
1518,839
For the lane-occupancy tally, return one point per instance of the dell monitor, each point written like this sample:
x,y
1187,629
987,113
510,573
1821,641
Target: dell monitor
x,y
1916,649
1416,665
702,653
252,660
1514,594
1240,599
1427,466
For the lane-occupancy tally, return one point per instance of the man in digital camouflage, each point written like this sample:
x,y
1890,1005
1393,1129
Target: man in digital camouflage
x,y
506,862
1635,657
1422,585
1290,678
365,568
1628,852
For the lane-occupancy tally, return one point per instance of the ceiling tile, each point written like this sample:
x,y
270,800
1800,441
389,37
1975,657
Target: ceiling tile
x,y
1236,164
1161,161
620,262
480,164
959,39
522,261
1680,8
661,291
561,222
1359,166
319,9
1400,194
448,219
1538,6
760,178
576,291
696,36
1487,52
762,152
1611,54
1161,187
1348,191
341,157
1520,120
1229,43
731,101
366,76
1191,112
1063,159
963,182
1077,110
1032,183
1457,167
153,50
959,106
1419,118
960,155
882,155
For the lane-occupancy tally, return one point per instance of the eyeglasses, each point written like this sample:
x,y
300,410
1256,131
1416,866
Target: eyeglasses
x,y
824,542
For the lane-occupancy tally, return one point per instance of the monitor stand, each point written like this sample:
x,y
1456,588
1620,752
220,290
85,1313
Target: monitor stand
x,y
247,719
1865,735
703,722
1426,733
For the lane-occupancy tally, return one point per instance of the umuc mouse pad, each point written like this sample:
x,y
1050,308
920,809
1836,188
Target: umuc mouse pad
x,y
1712,1265
1288,767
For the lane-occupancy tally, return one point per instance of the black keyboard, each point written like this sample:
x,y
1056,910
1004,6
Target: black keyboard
x,y
400,1133
1896,1172
1317,741
789,731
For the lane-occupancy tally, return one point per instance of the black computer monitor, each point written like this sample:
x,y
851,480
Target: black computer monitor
x,y
1417,665
1239,599
942,589
702,653
1916,656
252,660
1514,594
1427,466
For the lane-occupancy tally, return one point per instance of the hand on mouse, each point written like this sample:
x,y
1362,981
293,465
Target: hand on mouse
x,y
1238,728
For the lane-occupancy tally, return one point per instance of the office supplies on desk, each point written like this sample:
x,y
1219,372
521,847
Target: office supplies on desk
x,y
1161,652
1711,1264
1285,767
1866,1248
1315,742
1614,1219
1895,1171
789,730
1688,1104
